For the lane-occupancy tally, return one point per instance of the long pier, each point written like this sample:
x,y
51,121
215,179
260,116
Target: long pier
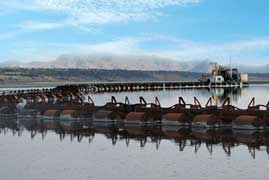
x,y
157,85
101,87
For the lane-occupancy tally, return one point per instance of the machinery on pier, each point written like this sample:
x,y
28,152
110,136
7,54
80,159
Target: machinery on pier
x,y
223,74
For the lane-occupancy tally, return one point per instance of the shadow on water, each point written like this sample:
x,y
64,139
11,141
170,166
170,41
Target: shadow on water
x,y
154,134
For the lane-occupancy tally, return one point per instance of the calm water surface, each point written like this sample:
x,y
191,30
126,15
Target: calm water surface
x,y
105,153
239,97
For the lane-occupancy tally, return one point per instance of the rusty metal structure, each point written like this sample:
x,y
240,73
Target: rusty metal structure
x,y
70,104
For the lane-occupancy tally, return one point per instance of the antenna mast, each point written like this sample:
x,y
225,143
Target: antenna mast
x,y
231,71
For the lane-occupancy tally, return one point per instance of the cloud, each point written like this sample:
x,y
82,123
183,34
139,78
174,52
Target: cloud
x,y
30,25
11,34
241,51
182,50
93,12
7,35
179,49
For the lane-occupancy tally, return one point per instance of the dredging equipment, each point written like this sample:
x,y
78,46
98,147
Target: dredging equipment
x,y
72,106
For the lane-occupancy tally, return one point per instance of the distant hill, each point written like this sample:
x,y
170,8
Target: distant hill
x,y
127,62
147,63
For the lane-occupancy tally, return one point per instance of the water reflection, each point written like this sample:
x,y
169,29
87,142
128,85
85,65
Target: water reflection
x,y
181,137
220,94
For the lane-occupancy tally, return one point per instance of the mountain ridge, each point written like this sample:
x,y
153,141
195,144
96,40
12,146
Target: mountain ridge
x,y
110,62
125,62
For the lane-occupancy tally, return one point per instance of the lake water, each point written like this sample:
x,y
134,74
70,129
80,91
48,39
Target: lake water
x,y
239,96
31,152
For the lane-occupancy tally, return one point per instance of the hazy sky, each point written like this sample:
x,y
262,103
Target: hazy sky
x,y
39,30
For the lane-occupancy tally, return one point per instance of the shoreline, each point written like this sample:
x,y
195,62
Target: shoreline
x,y
39,84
